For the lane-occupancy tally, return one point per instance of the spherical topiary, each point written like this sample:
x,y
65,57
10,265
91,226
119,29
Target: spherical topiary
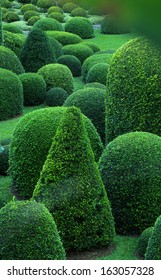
x,y
69,6
4,159
91,101
58,16
72,62
55,9
80,26
98,73
10,16
56,47
65,38
28,232
130,168
34,89
57,75
37,51
153,251
95,85
12,27
27,15
45,4
10,61
32,20
28,7
48,24
111,25
79,12
143,242
11,95
56,96
134,87
31,141
13,41
79,50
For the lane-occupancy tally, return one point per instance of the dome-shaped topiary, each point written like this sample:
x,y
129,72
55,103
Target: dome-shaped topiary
x,y
58,16
134,87
69,7
28,7
79,12
130,168
98,73
46,4
80,26
32,20
143,242
10,16
55,9
48,24
56,96
153,251
36,51
28,232
91,101
11,95
111,25
72,62
34,89
93,46
65,38
57,75
81,51
31,141
10,61
71,188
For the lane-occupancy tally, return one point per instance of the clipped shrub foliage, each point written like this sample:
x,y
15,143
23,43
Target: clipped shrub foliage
x,y
10,61
130,168
93,46
79,12
13,41
31,141
69,7
98,73
56,96
57,16
79,50
12,27
72,62
48,24
95,85
10,16
32,20
80,26
27,15
55,9
143,242
153,251
19,221
56,47
28,7
65,38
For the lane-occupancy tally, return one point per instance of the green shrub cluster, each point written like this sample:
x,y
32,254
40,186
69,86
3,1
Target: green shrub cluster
x,y
111,25
72,62
14,41
57,16
31,141
32,20
130,169
65,38
56,97
48,24
69,7
81,51
28,232
46,4
153,251
10,61
80,26
71,188
28,7
10,16
79,12
143,242
98,73
55,9
27,15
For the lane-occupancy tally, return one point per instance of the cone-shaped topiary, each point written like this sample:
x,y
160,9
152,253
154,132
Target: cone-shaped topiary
x,y
153,251
143,242
130,167
31,141
28,232
37,51
71,188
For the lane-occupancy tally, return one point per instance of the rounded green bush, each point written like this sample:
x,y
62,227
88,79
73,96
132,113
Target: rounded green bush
x,y
27,15
93,46
34,89
48,24
57,75
79,50
28,7
91,101
65,38
10,16
33,20
111,25
14,41
56,47
6,4
11,95
143,242
95,85
153,251
130,169
4,159
57,16
10,61
134,89
56,96
12,27
79,12
98,73
55,9
31,141
81,27
28,232
72,62
69,7
46,4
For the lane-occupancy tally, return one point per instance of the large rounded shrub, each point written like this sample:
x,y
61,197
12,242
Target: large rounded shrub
x,y
80,26
143,242
34,89
72,62
10,61
55,9
31,141
28,232
12,27
134,89
79,50
28,7
32,20
65,38
130,168
153,251
56,96
48,24
11,95
91,101
57,75
111,25
98,73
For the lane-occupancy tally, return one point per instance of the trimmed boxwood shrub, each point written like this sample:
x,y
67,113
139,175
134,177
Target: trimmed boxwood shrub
x,y
10,61
65,38
4,159
72,62
134,89
98,73
80,26
12,27
13,41
55,9
31,141
56,47
143,242
56,96
21,220
153,251
58,16
79,12
57,75
93,46
79,50
48,24
34,89
111,25
32,20
71,187
45,4
36,51
28,7
10,16
11,95
91,101
27,15
95,85
69,6
130,168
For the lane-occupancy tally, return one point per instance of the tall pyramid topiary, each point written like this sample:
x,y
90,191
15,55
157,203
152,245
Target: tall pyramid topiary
x,y
71,188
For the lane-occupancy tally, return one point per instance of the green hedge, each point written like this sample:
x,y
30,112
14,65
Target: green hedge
x,y
98,73
65,38
143,242
56,96
153,251
48,24
80,26
79,50
72,62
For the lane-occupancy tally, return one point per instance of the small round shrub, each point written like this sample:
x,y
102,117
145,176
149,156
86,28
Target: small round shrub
x,y
79,12
91,101
111,25
56,47
46,4
31,142
34,89
95,85
27,15
72,62
130,167
57,75
56,96
58,16
11,95
32,20
10,16
153,251
69,6
98,73
143,242
10,61
48,24
55,9
79,50
11,27
4,159
93,46
65,38
28,7
21,220
14,41
80,26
